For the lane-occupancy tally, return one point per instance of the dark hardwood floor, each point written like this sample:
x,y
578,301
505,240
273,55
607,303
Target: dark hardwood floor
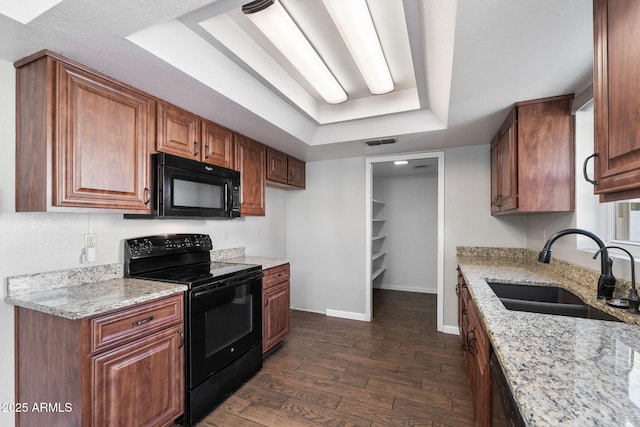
x,y
394,371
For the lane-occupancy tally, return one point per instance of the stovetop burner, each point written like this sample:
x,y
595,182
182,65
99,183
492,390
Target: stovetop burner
x,y
178,258
200,274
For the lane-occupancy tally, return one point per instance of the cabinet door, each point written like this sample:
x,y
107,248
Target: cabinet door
x,y
508,165
275,315
102,150
617,98
178,132
218,145
250,160
495,202
141,383
276,166
296,172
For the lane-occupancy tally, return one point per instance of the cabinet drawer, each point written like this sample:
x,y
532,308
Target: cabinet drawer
x,y
135,322
275,275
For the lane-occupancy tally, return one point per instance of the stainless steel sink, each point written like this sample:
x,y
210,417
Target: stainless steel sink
x,y
546,300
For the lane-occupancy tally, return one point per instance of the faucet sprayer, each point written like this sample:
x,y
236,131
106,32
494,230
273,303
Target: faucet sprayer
x,y
633,298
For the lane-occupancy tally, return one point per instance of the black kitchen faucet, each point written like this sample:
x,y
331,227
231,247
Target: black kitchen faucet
x,y
606,281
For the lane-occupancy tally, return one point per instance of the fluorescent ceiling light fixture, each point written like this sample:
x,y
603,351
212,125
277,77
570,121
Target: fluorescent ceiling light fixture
x,y
400,162
354,23
25,11
276,24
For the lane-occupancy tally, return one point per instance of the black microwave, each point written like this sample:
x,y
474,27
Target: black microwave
x,y
184,188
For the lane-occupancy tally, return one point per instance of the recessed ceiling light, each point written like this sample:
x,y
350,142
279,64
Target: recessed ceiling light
x,y
25,11
400,162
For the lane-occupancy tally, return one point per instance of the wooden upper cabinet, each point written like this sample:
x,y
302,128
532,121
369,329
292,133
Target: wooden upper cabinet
x,y
276,166
178,132
249,161
504,167
532,158
184,134
616,94
83,140
218,145
284,169
296,172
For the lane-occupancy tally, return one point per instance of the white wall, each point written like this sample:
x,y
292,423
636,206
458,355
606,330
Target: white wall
x,y
326,238
38,242
411,230
468,220
326,230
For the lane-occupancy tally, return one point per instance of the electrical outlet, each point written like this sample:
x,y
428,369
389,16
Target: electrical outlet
x,y
90,240
89,251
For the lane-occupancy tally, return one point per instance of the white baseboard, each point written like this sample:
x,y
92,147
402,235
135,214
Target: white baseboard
x,y
308,310
345,314
389,287
448,329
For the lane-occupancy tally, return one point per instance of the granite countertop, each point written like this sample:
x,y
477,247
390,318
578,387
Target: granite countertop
x,y
265,262
561,370
83,292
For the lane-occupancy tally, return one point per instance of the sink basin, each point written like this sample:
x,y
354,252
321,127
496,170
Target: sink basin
x,y
546,300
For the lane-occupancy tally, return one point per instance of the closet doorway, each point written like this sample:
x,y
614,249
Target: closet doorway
x,y
405,226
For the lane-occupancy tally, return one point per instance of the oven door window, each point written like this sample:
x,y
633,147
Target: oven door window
x,y
226,322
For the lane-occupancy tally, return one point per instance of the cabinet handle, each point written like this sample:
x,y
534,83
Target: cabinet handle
x,y
181,338
207,151
196,146
584,168
471,340
147,195
266,300
458,289
496,200
140,322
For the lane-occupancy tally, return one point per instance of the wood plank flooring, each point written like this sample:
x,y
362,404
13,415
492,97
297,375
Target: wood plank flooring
x,y
394,371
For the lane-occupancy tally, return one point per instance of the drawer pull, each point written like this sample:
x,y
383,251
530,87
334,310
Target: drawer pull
x,y
140,322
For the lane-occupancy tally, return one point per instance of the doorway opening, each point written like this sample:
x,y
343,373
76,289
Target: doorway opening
x,y
405,226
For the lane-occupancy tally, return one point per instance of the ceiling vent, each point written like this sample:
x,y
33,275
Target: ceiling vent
x,y
381,141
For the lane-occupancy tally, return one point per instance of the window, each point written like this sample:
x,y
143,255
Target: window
x,y
625,222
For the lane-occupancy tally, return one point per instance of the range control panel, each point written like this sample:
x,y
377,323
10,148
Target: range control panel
x,y
150,246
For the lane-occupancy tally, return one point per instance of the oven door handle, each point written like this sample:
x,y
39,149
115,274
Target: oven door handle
x,y
227,284
233,283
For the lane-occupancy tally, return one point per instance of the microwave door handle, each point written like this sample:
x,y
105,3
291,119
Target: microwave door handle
x,y
229,198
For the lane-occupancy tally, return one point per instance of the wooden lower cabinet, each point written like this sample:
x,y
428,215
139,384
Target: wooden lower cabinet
x,y
276,306
475,342
124,368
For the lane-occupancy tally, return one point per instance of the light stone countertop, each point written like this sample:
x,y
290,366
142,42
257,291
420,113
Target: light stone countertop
x,y
562,370
265,262
83,292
